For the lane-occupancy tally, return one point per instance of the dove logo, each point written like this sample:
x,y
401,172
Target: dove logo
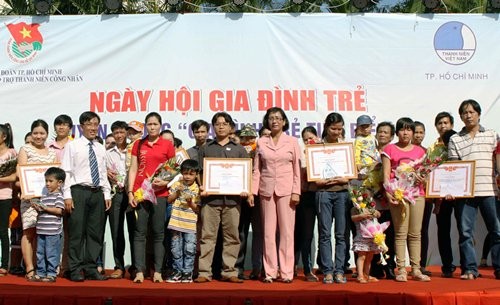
x,y
455,43
25,43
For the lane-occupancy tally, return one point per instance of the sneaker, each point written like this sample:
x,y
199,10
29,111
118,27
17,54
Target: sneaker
x,y
175,277
340,278
186,277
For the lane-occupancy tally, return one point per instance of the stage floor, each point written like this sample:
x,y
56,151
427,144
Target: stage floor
x,y
482,291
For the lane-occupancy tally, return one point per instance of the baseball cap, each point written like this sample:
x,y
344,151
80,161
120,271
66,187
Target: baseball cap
x,y
364,120
248,131
136,125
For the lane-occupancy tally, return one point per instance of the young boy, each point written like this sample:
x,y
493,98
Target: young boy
x,y
49,226
185,196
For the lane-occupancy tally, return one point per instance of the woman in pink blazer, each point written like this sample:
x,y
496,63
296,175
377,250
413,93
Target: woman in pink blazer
x,y
276,179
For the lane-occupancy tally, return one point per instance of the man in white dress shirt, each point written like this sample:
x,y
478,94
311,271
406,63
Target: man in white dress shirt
x,y
86,197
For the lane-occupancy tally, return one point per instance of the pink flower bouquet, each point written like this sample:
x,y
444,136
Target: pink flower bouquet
x,y
371,228
403,192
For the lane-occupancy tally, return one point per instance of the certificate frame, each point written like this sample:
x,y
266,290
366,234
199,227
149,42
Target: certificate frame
x,y
465,169
217,170
341,155
32,179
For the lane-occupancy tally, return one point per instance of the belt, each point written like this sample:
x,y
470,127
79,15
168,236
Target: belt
x,y
93,189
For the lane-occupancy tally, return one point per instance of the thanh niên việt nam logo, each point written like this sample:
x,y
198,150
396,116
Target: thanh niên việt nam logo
x,y
25,43
455,43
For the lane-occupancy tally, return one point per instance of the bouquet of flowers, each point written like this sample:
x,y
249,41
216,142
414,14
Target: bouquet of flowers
x,y
373,229
403,193
370,228
8,166
119,184
432,159
362,198
165,171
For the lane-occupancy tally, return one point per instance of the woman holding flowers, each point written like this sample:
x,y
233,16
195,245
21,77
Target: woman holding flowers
x,y
8,157
405,184
147,155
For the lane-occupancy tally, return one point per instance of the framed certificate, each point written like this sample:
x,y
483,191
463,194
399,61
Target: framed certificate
x,y
180,156
454,178
227,176
32,179
325,161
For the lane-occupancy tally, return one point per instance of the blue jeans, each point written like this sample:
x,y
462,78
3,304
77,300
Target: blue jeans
x,y
48,251
466,210
331,205
183,251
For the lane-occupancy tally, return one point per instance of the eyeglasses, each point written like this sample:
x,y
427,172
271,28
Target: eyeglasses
x,y
275,118
224,124
89,124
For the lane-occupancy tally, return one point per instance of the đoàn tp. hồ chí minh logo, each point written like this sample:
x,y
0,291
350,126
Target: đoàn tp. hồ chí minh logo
x,y
25,43
455,43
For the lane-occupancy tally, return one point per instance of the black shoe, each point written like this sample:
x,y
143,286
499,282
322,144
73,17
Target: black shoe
x,y
389,274
243,276
348,271
497,274
95,276
377,272
76,277
425,272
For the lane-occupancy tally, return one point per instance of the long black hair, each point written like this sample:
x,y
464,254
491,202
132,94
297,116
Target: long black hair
x,y
6,130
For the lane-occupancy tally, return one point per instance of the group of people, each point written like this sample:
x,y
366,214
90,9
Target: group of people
x,y
186,234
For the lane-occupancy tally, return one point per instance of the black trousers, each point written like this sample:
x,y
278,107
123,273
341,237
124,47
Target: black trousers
x,y
117,218
86,224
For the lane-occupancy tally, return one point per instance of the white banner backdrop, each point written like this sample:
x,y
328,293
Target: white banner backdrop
x,y
190,66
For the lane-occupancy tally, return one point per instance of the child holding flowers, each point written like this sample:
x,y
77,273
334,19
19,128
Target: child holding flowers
x,y
364,214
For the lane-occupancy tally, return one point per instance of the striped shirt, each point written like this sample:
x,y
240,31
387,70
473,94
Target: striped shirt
x,y
48,224
183,218
481,149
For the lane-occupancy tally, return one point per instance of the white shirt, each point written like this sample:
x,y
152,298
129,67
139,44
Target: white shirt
x,y
76,165
116,161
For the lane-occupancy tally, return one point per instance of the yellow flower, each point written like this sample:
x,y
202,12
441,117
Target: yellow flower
x,y
139,195
399,194
379,239
362,205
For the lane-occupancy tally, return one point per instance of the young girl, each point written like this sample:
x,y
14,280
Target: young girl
x,y
364,247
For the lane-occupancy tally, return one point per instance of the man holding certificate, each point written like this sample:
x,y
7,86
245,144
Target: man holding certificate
x,y
474,142
220,208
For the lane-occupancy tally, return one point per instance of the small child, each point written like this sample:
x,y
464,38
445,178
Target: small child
x,y
49,226
364,247
248,138
185,196
365,145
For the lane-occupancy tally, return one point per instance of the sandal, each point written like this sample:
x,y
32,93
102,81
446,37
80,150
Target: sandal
x,y
362,280
157,277
267,280
421,277
468,276
28,276
372,279
49,279
139,278
35,278
401,276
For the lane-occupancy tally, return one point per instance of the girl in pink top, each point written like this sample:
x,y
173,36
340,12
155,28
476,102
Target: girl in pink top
x,y
407,229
